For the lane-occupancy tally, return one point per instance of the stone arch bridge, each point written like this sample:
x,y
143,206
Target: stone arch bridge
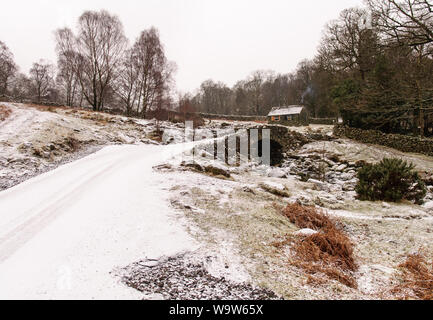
x,y
282,141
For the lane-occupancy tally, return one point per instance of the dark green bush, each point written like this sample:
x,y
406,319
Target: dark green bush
x,y
390,180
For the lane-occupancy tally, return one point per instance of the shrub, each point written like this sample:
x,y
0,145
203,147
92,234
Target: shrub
x,y
390,180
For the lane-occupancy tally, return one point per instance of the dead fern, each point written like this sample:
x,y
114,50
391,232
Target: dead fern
x,y
328,252
307,217
417,282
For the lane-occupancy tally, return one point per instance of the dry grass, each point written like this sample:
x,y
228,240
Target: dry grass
x,y
417,280
308,217
5,112
328,252
72,143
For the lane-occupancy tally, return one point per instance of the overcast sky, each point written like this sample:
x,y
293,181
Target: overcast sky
x,y
224,40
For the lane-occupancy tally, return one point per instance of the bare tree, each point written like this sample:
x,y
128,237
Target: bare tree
x,y
155,72
101,43
409,23
254,85
93,55
21,86
68,65
405,21
127,84
349,43
42,78
7,68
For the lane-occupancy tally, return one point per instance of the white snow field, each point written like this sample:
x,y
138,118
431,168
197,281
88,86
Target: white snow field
x,y
63,232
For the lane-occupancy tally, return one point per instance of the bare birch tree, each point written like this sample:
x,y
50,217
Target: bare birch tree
x,y
7,68
127,85
68,66
154,70
93,55
42,78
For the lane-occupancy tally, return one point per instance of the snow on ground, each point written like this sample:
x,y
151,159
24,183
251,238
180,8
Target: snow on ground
x,y
241,212
68,233
35,139
63,232
353,151
74,232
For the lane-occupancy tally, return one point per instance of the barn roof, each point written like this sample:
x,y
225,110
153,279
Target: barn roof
x,y
283,111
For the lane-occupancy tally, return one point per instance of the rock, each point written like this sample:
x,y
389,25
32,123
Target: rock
x,y
217,171
341,168
163,167
346,176
277,173
303,201
149,263
195,166
26,145
330,162
46,155
276,189
385,205
428,205
350,185
335,188
321,186
247,189
306,232
351,194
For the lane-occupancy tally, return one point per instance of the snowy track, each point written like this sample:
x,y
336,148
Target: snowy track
x,y
62,233
20,120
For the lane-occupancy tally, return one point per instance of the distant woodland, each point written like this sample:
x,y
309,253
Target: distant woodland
x,y
375,61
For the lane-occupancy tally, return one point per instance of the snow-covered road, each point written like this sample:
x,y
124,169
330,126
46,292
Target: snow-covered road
x,y
63,232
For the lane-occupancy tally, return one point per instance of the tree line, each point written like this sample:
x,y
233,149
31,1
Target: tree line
x,y
376,59
97,68
373,65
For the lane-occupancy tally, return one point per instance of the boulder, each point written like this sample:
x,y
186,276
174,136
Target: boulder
x,y
341,168
321,186
350,185
346,176
193,165
277,173
275,189
217,171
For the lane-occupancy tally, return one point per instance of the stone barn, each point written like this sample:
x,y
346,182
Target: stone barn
x,y
291,115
